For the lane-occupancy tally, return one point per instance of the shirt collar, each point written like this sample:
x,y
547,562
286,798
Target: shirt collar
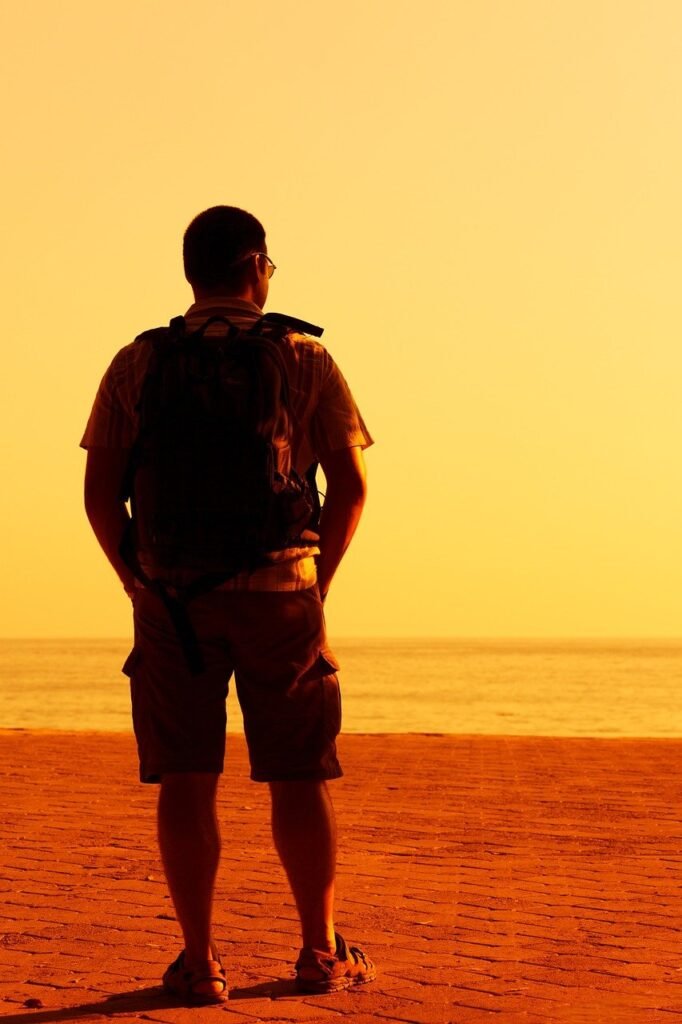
x,y
222,305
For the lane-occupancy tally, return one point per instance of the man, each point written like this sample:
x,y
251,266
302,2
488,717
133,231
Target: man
x,y
266,625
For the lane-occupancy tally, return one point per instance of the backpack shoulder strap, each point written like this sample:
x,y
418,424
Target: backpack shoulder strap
x,y
286,323
177,328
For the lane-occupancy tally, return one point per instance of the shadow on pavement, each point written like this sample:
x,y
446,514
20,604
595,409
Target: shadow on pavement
x,y
140,999
265,989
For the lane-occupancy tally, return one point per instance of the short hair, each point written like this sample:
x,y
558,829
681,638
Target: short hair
x,y
215,241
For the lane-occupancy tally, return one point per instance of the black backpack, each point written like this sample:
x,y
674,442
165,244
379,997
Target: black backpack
x,y
210,479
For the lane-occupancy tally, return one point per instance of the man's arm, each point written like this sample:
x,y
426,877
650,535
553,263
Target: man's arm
x,y
344,471
106,511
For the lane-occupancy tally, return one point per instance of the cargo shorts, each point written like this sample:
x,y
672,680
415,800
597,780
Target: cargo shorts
x,y
285,674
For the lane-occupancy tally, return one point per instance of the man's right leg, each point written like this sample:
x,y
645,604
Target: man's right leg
x,y
289,694
304,832
189,841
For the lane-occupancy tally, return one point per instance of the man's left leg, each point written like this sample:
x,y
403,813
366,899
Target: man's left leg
x,y
189,841
180,733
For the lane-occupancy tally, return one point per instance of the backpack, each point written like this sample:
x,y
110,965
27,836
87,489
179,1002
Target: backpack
x,y
210,478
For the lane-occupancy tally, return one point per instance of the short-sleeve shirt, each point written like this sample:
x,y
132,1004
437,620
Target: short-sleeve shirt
x,y
325,419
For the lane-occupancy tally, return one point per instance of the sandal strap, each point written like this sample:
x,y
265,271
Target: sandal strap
x,y
325,962
359,954
209,970
178,964
316,958
207,977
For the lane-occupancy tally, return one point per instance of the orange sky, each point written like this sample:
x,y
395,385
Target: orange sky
x,y
480,202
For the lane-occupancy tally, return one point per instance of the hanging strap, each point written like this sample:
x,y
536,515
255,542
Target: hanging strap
x,y
310,475
175,599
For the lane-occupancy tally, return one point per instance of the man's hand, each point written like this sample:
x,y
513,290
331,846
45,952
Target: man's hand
x,y
106,511
344,501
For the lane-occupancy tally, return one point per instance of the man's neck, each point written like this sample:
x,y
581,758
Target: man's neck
x,y
221,294
220,299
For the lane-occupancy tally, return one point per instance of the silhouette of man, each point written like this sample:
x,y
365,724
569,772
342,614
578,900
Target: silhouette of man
x,y
265,625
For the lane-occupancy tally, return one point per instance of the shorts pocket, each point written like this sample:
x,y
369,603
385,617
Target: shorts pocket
x,y
331,695
326,663
322,674
131,662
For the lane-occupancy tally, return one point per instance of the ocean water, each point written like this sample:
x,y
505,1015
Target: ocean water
x,y
570,687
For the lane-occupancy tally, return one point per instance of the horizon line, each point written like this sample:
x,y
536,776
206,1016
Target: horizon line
x,y
400,636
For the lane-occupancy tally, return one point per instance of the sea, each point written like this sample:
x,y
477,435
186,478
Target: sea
x,y
537,687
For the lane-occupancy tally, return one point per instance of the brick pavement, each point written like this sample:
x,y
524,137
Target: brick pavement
x,y
498,879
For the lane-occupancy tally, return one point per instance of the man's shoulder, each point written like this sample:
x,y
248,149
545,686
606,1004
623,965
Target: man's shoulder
x,y
129,364
139,348
307,340
307,348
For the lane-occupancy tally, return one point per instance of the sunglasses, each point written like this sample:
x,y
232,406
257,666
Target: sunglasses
x,y
242,259
271,266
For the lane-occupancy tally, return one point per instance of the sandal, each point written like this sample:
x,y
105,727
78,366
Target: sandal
x,y
320,971
183,981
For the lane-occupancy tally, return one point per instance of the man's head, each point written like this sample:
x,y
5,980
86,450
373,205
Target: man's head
x,y
224,253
